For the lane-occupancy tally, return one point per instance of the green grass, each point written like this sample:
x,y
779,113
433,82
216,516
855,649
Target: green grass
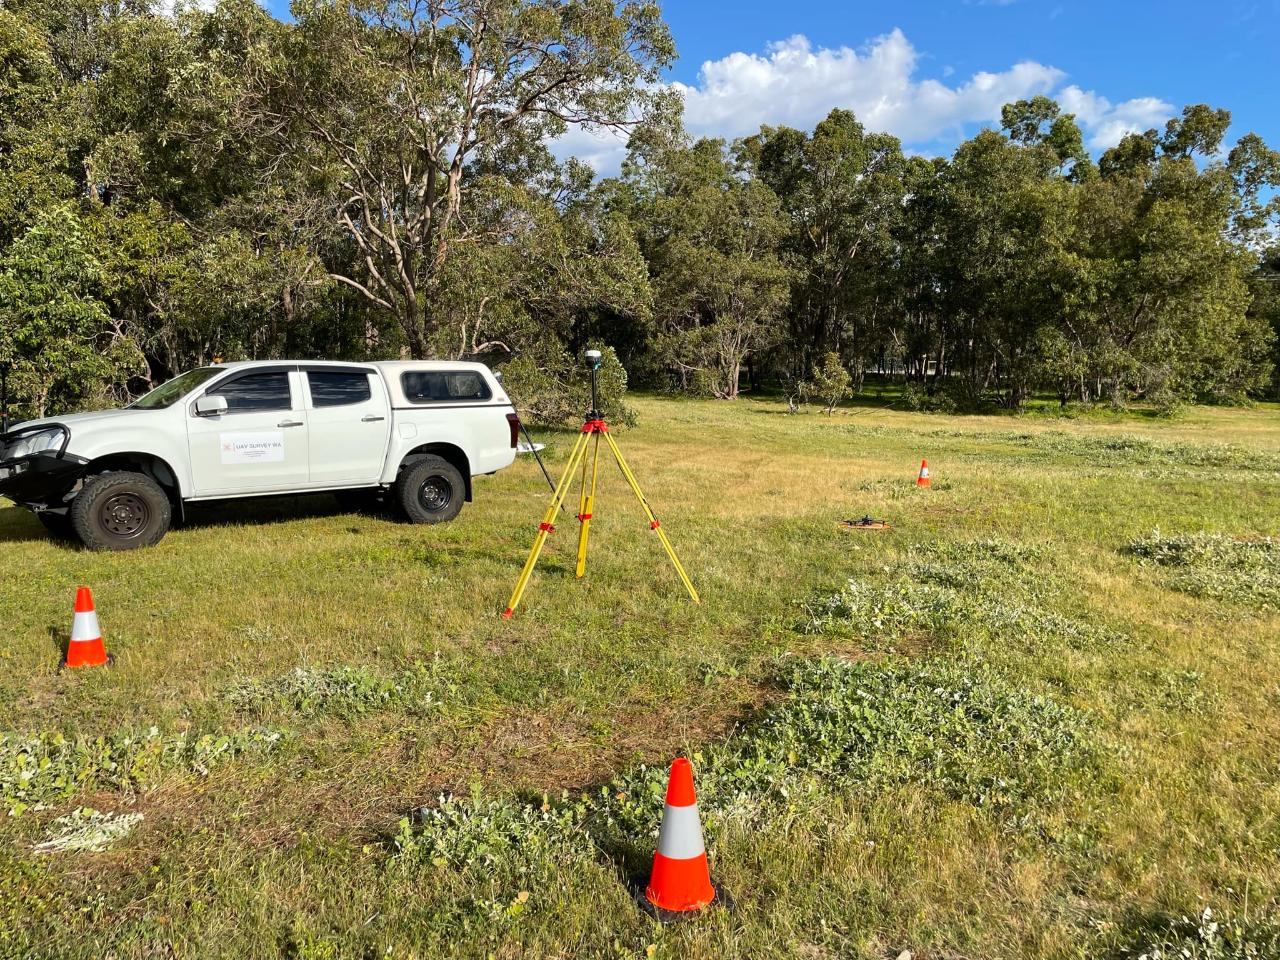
x,y
1038,717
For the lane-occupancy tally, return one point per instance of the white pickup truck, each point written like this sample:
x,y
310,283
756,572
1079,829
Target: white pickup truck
x,y
412,433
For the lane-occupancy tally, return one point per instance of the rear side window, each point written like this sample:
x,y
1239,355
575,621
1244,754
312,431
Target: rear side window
x,y
444,386
256,391
338,388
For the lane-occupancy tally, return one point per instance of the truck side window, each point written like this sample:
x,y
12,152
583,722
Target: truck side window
x,y
256,392
338,389
444,386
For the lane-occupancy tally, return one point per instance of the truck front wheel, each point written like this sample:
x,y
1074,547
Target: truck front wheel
x,y
120,511
430,490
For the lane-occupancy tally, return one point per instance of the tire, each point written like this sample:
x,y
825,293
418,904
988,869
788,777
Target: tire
x,y
120,511
430,490
58,525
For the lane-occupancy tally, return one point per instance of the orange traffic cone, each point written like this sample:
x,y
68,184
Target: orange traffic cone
x,y
681,880
923,479
86,648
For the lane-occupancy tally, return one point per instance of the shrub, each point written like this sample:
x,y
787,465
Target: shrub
x,y
552,386
831,383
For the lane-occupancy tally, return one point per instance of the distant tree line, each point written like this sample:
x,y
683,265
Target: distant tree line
x,y
373,180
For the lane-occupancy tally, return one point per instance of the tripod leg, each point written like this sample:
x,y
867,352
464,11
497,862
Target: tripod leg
x,y
653,521
586,506
545,527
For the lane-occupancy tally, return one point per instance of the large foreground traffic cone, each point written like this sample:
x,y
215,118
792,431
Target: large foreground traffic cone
x,y
86,648
681,879
923,479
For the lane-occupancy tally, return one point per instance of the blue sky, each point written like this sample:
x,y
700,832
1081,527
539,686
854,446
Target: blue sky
x,y
933,71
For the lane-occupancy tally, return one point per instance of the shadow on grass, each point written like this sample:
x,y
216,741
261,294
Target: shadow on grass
x,y
60,637
266,510
19,526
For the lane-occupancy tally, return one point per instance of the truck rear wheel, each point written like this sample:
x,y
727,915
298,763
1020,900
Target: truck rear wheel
x,y
120,511
430,490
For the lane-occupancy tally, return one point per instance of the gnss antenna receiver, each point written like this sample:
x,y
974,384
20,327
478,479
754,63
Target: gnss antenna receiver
x,y
593,428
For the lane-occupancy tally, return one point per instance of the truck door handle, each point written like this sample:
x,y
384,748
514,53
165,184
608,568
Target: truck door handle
x,y
370,418
289,423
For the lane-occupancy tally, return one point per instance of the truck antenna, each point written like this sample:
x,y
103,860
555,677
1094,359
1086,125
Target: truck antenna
x,y
4,396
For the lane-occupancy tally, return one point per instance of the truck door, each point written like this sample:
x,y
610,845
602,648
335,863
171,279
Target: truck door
x,y
349,423
260,444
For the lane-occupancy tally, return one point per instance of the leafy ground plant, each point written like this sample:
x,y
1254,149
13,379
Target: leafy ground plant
x,y
901,608
1209,936
955,728
88,829
338,690
1118,449
1216,566
46,767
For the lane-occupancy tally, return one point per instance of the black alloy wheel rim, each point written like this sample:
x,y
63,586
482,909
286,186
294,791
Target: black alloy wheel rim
x,y
435,494
124,515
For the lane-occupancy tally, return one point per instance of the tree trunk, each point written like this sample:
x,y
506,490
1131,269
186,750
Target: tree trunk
x,y
411,321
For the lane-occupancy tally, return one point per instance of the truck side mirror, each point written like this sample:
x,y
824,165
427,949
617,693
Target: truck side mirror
x,y
211,406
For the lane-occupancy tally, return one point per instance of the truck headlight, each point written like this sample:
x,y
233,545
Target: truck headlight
x,y
34,443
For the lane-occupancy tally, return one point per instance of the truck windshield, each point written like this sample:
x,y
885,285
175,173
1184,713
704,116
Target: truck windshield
x,y
167,394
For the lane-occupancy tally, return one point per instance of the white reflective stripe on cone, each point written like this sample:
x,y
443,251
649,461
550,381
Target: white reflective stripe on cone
x,y
681,834
85,626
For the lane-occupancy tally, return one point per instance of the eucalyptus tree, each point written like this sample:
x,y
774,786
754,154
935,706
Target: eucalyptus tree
x,y
1159,279
389,106
712,238
843,191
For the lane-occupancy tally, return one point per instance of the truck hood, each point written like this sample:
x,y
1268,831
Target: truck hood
x,y
73,419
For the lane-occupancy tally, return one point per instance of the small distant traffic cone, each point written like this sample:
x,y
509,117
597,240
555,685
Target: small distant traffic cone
x,y
923,479
86,648
681,880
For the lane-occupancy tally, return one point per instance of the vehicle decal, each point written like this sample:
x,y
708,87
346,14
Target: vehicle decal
x,y
252,447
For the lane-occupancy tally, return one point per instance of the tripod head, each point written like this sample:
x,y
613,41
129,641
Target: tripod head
x,y
592,358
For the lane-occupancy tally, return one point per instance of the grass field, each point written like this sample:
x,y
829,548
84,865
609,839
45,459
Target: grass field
x,y
1040,717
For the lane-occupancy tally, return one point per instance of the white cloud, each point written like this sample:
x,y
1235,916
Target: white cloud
x,y
794,84
604,150
1106,122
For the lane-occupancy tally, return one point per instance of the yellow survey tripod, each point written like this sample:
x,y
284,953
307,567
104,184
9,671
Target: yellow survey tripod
x,y
592,430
